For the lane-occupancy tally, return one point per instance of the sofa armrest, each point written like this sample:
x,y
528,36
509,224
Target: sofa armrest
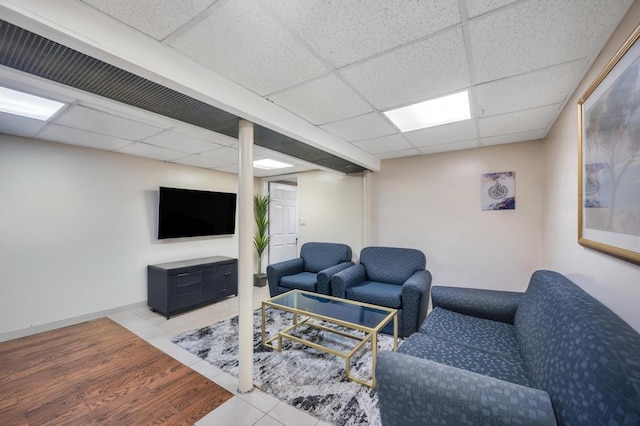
x,y
346,278
489,304
281,269
413,390
324,276
415,301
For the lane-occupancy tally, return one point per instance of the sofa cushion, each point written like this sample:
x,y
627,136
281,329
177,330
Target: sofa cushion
x,y
319,256
503,367
381,294
302,281
477,333
392,265
489,304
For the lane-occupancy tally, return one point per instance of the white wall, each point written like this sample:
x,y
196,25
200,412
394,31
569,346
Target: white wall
x,y
614,282
331,208
432,203
78,228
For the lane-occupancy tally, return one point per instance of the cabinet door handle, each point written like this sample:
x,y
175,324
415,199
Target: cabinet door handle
x,y
226,274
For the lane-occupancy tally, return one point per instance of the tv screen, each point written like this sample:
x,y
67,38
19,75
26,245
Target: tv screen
x,y
192,213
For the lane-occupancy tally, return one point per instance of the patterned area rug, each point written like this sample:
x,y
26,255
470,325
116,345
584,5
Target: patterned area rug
x,y
304,377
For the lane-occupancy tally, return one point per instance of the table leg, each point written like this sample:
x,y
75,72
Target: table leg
x,y
347,366
395,333
374,357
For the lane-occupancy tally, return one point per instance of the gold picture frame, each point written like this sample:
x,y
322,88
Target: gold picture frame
x,y
609,157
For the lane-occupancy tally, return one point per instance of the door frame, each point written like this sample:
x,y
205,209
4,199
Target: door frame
x,y
293,179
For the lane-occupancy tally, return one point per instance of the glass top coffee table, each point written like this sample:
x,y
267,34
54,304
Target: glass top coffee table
x,y
320,312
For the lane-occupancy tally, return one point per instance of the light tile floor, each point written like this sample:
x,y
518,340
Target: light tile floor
x,y
252,408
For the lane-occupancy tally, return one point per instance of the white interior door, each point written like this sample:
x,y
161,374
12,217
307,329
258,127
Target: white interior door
x,y
283,222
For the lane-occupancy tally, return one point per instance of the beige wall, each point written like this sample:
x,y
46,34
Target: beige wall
x,y
614,282
432,203
331,209
78,229
78,225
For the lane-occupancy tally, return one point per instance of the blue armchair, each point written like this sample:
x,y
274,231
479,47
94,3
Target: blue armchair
x,y
391,277
312,271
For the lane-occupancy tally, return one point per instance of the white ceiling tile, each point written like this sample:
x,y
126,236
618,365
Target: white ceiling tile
x,y
106,124
521,121
478,7
538,33
206,135
537,88
454,132
398,154
322,101
260,152
417,72
200,161
366,126
515,137
344,32
383,144
390,52
20,126
225,155
180,142
454,146
73,136
241,42
156,18
141,149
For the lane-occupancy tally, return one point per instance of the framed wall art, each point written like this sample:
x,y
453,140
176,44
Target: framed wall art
x,y
498,191
609,157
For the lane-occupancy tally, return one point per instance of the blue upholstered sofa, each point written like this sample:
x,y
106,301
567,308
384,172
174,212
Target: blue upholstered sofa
x,y
392,277
312,271
551,355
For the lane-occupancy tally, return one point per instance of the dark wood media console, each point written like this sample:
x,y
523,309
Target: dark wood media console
x,y
180,286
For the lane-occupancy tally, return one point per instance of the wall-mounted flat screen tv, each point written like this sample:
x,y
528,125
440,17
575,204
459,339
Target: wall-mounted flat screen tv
x,y
193,213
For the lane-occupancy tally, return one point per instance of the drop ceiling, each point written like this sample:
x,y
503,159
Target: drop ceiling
x,y
318,73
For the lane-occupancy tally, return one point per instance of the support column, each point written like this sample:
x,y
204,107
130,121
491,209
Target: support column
x,y
245,256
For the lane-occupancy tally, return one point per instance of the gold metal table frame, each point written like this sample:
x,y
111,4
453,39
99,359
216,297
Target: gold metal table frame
x,y
370,334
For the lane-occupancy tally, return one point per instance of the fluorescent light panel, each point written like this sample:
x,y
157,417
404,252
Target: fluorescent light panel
x,y
25,105
269,164
447,109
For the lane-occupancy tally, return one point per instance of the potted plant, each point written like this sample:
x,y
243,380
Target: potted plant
x,y
261,239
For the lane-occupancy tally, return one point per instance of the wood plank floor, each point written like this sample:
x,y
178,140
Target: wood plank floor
x,y
99,373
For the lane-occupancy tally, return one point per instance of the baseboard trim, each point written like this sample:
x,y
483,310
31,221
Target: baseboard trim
x,y
17,334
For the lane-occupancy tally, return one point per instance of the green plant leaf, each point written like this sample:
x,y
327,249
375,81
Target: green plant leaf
x,y
261,215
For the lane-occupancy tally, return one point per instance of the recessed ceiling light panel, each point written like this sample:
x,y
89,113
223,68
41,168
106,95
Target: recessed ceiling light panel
x,y
447,109
25,105
269,164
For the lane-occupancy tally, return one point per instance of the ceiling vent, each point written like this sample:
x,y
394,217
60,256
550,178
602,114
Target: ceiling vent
x,y
28,52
